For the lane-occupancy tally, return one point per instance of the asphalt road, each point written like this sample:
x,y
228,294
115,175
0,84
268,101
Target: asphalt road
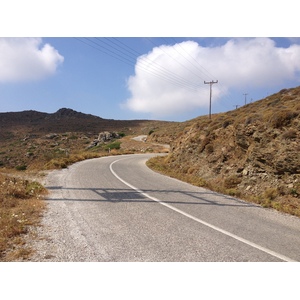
x,y
117,209
140,138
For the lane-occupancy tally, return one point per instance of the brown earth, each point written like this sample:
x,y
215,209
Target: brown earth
x,y
252,152
30,143
30,139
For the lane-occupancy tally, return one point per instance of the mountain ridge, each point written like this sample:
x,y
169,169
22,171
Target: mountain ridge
x,y
64,120
32,139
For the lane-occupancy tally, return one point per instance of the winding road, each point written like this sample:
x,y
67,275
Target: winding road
x,y
117,209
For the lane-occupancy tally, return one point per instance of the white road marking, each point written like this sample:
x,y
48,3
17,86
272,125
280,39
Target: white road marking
x,y
266,250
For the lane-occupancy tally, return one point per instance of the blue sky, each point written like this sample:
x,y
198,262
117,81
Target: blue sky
x,y
147,62
87,80
143,77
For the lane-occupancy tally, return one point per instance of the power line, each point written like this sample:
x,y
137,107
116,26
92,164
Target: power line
x,y
206,73
101,50
117,49
196,61
125,46
175,59
145,64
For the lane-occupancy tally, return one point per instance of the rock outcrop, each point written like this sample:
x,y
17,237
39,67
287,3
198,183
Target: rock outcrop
x,y
249,151
104,137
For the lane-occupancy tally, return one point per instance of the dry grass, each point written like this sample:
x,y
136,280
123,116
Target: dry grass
x,y
159,164
288,202
196,145
21,206
64,162
251,152
21,201
32,141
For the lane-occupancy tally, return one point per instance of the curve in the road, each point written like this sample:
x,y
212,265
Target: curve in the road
x,y
240,239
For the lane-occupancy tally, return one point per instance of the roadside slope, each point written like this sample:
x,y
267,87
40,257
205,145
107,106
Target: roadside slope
x,y
251,152
116,209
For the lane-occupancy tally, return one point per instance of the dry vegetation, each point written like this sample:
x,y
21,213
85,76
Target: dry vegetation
x,y
21,206
251,153
32,142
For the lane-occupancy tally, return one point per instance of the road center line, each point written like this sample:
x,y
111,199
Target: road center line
x,y
266,250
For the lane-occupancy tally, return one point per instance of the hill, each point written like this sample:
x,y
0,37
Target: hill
x,y
31,139
64,120
31,142
252,152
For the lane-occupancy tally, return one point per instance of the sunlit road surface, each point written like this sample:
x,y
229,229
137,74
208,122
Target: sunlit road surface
x,y
117,209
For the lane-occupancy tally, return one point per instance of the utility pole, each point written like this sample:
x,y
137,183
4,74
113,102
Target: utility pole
x,y
245,97
210,84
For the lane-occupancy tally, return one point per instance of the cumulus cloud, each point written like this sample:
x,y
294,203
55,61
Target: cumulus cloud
x,y
170,79
25,59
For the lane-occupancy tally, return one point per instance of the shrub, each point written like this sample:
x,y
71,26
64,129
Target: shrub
x,y
282,118
113,145
233,192
295,191
290,134
209,148
271,193
203,144
21,168
283,91
227,123
34,188
73,137
232,181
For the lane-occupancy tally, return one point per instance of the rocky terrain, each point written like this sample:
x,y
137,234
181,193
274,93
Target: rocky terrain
x,y
252,152
31,139
64,120
31,143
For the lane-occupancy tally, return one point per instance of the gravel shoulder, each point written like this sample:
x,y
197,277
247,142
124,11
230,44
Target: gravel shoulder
x,y
94,217
59,231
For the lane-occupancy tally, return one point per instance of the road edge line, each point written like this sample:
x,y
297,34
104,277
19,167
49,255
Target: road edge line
x,y
249,243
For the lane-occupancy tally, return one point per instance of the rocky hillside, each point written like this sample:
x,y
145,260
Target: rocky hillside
x,y
252,152
64,120
31,139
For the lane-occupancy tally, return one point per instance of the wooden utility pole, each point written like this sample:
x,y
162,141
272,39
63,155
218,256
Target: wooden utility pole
x,y
245,97
210,84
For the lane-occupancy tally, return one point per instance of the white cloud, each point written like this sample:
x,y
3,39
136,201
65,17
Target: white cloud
x,y
169,79
24,59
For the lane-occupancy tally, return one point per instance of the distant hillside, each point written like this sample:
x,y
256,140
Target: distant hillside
x,y
64,120
252,152
32,139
